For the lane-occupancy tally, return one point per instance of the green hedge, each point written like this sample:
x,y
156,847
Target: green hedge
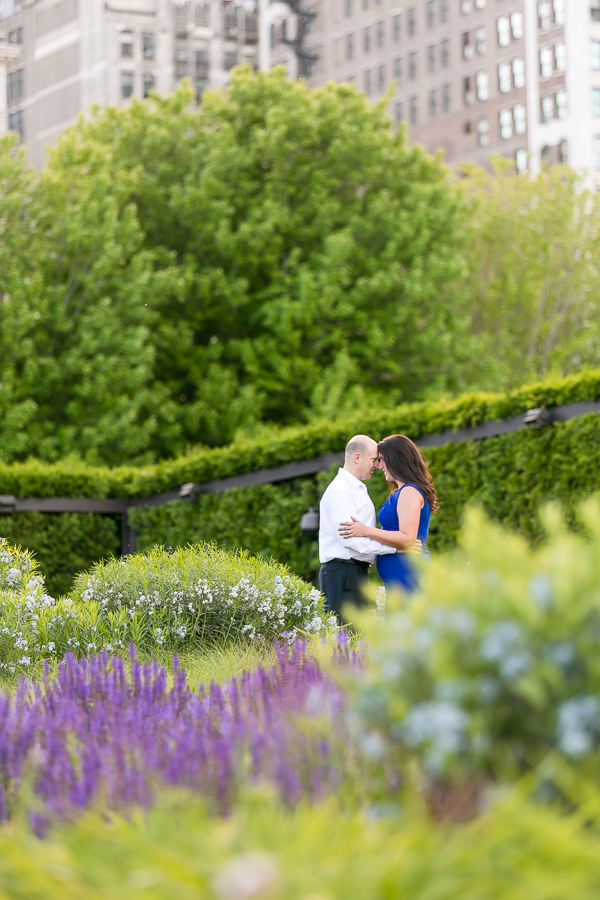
x,y
510,475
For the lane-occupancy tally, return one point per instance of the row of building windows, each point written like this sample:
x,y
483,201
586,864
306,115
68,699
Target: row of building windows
x,y
128,84
147,45
553,59
551,14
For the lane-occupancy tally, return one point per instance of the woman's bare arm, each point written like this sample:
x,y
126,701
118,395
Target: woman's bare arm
x,y
409,512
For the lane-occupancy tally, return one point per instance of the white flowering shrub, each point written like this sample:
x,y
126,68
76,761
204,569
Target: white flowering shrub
x,y
158,601
497,663
201,594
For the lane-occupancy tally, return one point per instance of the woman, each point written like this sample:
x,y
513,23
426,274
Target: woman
x,y
405,515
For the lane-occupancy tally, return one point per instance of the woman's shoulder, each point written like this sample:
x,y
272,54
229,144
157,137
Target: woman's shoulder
x,y
409,484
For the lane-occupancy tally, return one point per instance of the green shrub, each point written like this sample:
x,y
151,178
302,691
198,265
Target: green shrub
x,y
163,602
515,851
495,665
63,543
509,475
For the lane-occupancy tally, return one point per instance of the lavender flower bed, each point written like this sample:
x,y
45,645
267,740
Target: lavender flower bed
x,y
94,735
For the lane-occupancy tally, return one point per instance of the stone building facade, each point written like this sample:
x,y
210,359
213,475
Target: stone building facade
x,y
76,53
520,78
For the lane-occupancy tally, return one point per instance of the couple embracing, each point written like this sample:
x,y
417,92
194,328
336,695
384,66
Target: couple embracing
x,y
349,542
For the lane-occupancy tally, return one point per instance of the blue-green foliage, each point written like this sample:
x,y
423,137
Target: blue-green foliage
x,y
495,665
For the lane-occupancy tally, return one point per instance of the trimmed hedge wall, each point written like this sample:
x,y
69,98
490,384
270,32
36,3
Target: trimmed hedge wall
x,y
510,475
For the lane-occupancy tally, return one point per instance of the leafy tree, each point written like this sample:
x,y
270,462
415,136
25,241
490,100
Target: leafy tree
x,y
534,279
276,253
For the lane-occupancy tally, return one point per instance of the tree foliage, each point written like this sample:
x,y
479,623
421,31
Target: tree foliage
x,y
534,279
176,274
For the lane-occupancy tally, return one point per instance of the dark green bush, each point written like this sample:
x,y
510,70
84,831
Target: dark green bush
x,y
63,543
509,475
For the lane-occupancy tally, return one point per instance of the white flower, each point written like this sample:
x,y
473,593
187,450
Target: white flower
x,y
578,725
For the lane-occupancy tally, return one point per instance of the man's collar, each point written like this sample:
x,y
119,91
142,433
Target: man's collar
x,y
352,479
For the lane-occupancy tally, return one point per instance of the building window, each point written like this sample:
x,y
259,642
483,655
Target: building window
x,y
521,161
520,118
15,37
545,155
518,68
349,46
468,95
596,102
443,10
561,104
148,83
445,54
466,6
396,27
127,44
503,31
516,25
504,78
467,46
430,13
506,124
559,12
367,38
201,54
273,36
398,68
368,82
148,46
126,84
349,9
483,86
547,108
380,34
16,122
446,98
431,58
381,79
480,40
544,14
560,56
230,54
595,55
412,66
202,15
595,10
546,62
563,152
181,51
15,86
483,131
412,20
432,104
284,31
398,113
414,113
366,4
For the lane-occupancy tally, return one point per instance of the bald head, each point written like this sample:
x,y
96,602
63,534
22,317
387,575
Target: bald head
x,y
361,456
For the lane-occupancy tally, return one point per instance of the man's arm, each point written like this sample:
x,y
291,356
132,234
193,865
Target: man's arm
x,y
341,508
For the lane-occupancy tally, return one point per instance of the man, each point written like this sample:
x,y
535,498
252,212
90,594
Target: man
x,y
345,562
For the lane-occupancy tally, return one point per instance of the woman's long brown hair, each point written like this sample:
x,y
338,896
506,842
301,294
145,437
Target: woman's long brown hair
x,y
405,462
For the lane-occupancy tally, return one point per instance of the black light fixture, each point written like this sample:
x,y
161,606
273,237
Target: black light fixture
x,y
310,520
538,418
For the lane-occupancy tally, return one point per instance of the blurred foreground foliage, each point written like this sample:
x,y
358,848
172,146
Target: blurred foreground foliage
x,y
517,850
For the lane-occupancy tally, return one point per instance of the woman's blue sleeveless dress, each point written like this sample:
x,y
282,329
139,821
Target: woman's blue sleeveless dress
x,y
395,569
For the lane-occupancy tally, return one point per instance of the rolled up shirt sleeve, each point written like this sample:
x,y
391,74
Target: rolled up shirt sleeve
x,y
341,509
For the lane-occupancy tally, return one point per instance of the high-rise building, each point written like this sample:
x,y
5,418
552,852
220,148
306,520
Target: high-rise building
x,y
519,78
76,53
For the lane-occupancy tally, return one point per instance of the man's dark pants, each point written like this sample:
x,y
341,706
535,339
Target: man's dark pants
x,y
343,581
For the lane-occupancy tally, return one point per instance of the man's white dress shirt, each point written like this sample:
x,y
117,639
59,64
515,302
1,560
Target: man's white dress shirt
x,y
345,497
